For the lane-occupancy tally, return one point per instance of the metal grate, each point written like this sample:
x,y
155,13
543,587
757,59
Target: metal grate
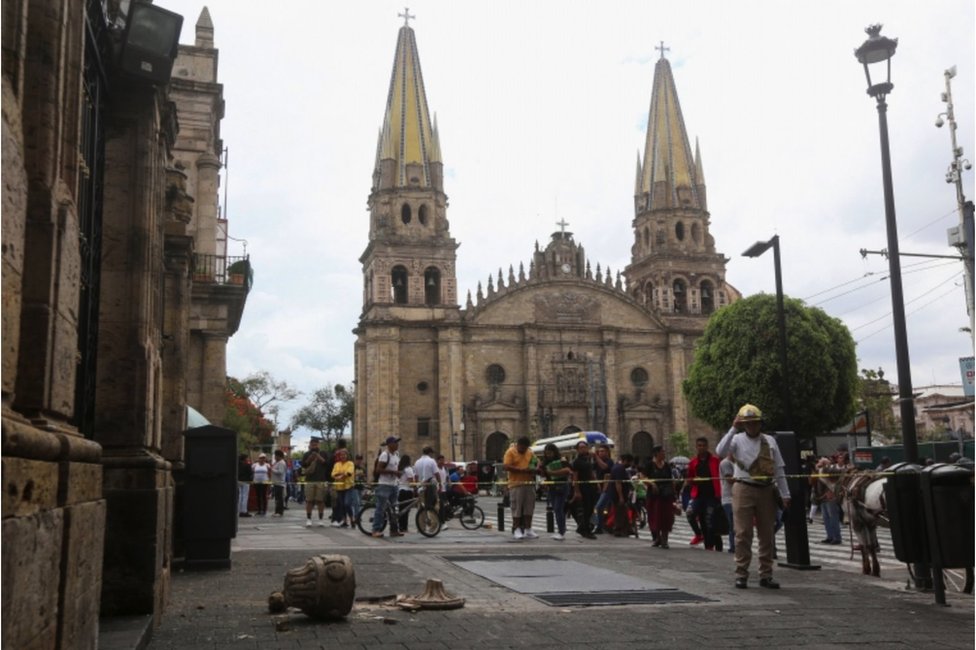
x,y
603,598
497,558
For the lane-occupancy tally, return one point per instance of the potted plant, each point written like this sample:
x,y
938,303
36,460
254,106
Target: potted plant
x,y
237,271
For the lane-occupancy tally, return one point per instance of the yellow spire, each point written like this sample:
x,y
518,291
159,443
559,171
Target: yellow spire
x,y
670,176
408,138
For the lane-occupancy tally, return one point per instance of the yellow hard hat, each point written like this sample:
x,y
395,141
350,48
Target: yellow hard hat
x,y
749,413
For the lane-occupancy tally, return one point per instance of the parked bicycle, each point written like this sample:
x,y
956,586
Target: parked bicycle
x,y
428,523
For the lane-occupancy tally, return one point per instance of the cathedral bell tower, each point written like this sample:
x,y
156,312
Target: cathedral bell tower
x,y
409,263
408,342
674,268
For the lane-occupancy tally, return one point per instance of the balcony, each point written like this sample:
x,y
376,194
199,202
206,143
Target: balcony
x,y
219,269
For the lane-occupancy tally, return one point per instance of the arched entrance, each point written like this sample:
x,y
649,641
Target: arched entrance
x,y
495,446
640,445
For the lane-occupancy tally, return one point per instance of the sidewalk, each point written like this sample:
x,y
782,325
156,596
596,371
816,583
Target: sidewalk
x,y
814,609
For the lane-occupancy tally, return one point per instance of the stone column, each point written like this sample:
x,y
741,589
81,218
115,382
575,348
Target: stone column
x,y
213,377
614,428
208,172
450,375
678,365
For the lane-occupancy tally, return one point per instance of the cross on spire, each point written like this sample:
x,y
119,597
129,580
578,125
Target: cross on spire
x,y
562,223
406,16
662,49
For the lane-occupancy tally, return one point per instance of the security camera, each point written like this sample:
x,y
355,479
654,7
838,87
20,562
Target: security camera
x,y
939,122
967,165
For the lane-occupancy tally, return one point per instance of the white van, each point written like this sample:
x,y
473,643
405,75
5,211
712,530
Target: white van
x,y
566,443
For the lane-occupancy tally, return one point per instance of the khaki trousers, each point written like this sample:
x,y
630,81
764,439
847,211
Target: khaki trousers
x,y
753,505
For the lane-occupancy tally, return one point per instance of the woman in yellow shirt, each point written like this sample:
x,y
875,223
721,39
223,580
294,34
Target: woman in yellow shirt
x,y
344,480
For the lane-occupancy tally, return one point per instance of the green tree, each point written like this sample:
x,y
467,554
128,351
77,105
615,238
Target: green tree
x,y
875,396
267,393
737,361
252,407
329,411
678,444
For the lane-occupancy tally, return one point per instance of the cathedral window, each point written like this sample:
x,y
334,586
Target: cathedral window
x,y
696,233
679,231
638,377
680,297
405,213
422,215
648,294
495,375
398,278
423,427
647,238
422,387
432,286
661,238
707,297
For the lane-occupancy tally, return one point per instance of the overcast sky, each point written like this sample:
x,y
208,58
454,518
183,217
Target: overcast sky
x,y
542,108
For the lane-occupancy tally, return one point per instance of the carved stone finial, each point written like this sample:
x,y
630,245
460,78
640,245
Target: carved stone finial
x,y
323,589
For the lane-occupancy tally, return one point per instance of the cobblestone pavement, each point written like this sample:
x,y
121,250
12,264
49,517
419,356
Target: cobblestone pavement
x,y
814,609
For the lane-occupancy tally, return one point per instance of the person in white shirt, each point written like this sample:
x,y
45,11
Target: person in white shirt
x,y
388,471
425,474
759,471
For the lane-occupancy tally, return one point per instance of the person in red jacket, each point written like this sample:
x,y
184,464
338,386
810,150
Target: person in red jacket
x,y
706,495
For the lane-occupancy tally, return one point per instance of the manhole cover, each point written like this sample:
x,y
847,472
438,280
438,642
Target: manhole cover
x,y
599,598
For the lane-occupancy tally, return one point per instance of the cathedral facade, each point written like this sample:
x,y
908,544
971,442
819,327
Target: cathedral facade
x,y
558,346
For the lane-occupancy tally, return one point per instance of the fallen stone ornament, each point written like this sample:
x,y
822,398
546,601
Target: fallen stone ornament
x,y
324,589
434,597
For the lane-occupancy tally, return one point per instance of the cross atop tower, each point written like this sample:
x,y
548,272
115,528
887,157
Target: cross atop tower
x,y
562,223
406,16
662,49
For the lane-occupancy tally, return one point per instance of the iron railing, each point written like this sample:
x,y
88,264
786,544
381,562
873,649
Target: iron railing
x,y
221,269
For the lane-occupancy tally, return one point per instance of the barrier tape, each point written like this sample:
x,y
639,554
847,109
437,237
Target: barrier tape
x,y
646,481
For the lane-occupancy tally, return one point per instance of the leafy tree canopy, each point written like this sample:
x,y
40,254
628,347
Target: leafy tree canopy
x,y
737,362
249,402
876,395
329,411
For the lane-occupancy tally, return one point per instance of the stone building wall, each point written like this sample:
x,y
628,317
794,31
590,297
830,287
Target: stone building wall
x,y
88,509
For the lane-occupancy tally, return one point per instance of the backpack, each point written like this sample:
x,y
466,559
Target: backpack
x,y
377,468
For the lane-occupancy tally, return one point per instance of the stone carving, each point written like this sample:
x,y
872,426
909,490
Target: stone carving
x,y
434,597
567,307
324,589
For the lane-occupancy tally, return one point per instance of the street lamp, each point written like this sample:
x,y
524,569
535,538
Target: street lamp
x,y
797,541
756,250
875,55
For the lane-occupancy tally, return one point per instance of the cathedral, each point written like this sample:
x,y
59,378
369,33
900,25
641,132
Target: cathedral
x,y
561,345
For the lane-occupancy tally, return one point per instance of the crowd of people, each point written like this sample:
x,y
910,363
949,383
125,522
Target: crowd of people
x,y
727,496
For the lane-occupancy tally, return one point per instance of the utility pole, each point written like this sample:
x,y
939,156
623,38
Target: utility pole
x,y
960,236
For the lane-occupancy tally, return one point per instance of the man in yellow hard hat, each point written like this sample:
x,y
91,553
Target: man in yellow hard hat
x,y
758,474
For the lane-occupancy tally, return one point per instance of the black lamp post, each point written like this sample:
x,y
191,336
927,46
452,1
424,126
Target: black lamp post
x,y
875,54
797,541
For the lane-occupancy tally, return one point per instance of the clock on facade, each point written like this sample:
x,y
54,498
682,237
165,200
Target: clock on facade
x,y
566,268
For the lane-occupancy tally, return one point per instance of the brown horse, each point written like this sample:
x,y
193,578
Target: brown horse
x,y
861,498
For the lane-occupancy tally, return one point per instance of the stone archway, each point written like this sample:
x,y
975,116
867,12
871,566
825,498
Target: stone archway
x,y
495,446
640,445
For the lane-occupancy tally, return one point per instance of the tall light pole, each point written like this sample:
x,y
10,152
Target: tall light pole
x,y
797,540
962,235
875,53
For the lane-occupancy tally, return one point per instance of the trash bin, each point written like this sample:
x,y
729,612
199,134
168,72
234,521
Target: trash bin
x,y
903,501
947,494
209,509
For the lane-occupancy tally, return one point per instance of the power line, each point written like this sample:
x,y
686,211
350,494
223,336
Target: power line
x,y
920,307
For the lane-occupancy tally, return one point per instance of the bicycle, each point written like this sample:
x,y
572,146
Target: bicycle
x,y
428,523
466,511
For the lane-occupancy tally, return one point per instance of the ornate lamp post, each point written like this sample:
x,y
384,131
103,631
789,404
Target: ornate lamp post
x,y
875,55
